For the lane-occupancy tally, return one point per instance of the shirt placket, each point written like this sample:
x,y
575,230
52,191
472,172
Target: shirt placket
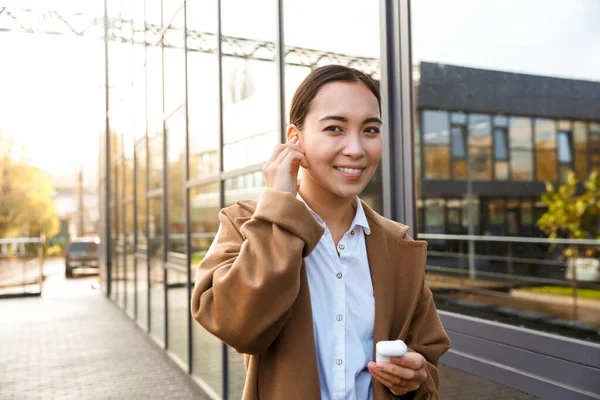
x,y
340,321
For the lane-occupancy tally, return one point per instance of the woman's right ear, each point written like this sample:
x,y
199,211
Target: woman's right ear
x,y
292,131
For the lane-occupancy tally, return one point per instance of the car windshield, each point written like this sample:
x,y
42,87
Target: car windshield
x,y
82,246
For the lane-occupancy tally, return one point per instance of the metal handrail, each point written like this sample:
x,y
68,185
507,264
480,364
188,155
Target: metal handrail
x,y
512,239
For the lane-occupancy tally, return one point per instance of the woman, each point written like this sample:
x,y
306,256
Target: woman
x,y
306,280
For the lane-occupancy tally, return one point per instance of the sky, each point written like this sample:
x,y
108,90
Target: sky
x,y
51,87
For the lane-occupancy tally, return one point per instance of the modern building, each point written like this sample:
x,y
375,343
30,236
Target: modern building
x,y
197,96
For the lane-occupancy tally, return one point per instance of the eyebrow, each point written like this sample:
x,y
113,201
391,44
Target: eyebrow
x,y
344,119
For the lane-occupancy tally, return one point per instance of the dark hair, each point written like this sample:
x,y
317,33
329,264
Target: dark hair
x,y
308,89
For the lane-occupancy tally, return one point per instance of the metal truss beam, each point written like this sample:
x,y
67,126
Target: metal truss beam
x,y
129,31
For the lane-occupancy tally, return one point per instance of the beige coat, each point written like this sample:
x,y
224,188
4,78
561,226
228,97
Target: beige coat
x,y
251,291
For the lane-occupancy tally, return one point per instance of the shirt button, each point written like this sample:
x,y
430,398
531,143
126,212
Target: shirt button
x,y
339,275
341,247
339,317
338,361
352,232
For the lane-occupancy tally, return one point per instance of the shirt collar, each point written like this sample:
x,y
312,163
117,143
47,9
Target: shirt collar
x,y
360,218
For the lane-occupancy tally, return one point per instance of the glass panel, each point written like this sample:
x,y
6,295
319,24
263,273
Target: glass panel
x,y
157,287
437,162
497,213
434,215
480,133
500,120
546,165
249,84
243,187
595,146
500,150
175,129
203,89
204,224
129,260
459,169
128,171
458,118
564,125
580,135
481,163
581,165
526,213
155,160
179,307
435,127
501,170
521,165
154,90
140,177
563,172
458,143
565,152
545,134
142,291
174,78
520,132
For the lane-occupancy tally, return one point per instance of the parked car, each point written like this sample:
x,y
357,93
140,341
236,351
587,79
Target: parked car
x,y
81,253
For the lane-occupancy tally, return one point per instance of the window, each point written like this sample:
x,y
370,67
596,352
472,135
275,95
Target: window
x,y
500,147
545,150
436,149
521,158
458,142
565,155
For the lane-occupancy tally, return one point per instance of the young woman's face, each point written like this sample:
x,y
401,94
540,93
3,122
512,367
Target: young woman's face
x,y
341,138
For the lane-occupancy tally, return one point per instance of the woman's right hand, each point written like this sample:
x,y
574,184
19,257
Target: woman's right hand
x,y
281,170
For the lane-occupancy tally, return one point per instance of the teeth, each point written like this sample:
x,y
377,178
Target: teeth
x,y
350,170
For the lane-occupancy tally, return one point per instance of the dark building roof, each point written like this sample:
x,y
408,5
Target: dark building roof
x,y
478,90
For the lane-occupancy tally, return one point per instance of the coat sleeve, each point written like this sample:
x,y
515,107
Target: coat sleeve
x,y
427,336
247,282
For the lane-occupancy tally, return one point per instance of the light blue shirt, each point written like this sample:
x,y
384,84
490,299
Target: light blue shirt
x,y
343,308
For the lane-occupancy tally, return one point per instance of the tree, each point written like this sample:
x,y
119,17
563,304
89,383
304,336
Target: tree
x,y
26,197
574,213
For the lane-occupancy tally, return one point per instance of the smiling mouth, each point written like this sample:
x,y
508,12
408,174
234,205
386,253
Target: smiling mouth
x,y
351,171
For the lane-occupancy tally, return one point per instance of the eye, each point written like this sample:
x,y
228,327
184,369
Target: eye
x,y
372,129
333,128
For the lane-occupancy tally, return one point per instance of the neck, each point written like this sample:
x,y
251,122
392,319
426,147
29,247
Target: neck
x,y
337,212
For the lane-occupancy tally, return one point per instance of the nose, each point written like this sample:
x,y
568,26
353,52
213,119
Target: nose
x,y
353,146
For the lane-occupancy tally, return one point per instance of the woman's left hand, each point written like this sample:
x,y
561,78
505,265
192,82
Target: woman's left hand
x,y
401,375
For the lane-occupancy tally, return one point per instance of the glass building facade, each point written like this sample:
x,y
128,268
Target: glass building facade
x,y
198,94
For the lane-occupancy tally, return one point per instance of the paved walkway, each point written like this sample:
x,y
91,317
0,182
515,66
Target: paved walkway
x,y
84,347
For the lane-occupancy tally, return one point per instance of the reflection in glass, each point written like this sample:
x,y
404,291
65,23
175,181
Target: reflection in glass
x,y
565,152
459,169
204,224
501,170
434,215
500,142
437,162
521,165
458,143
141,266
458,118
155,161
177,313
546,167
129,277
249,112
244,187
203,89
154,90
520,132
175,130
500,120
435,127
481,163
157,299
545,134
140,182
